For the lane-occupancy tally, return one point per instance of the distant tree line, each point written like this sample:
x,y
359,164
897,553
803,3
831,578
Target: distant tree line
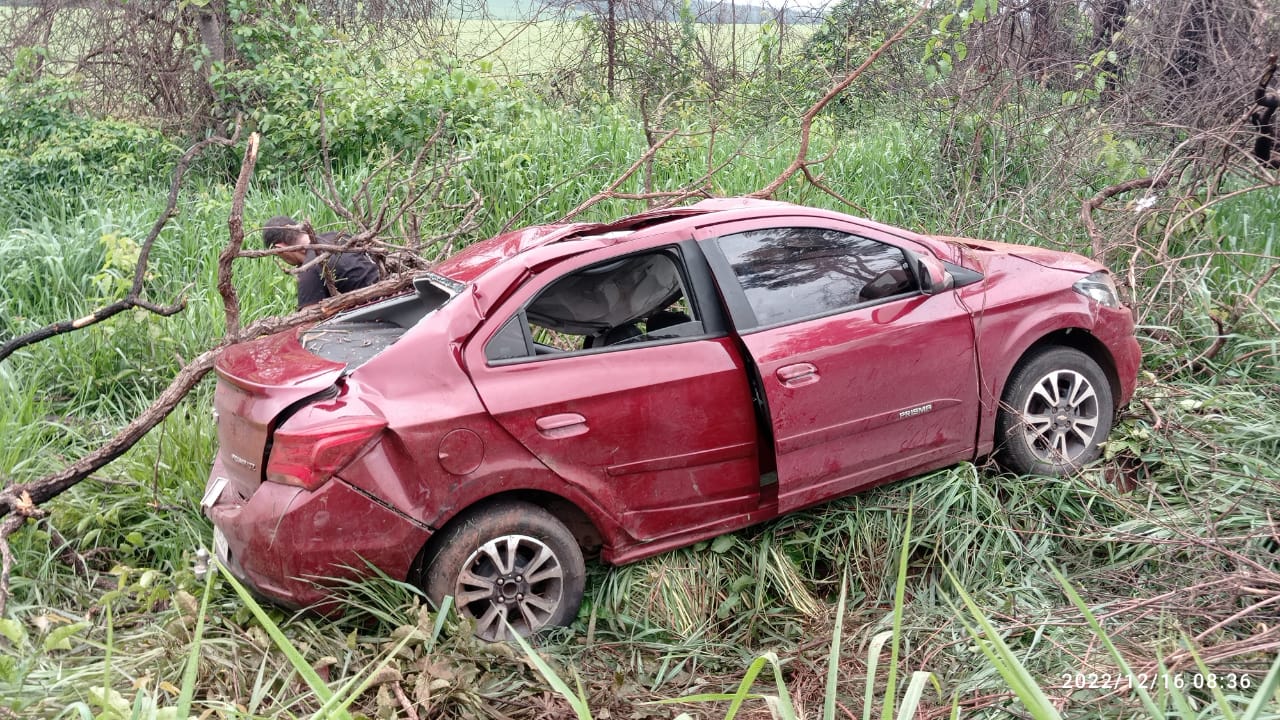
x,y
1191,63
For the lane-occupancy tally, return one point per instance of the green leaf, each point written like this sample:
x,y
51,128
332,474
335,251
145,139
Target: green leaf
x,y
60,638
988,640
833,657
575,700
1102,635
899,601
299,663
193,658
722,544
113,704
915,692
13,631
873,661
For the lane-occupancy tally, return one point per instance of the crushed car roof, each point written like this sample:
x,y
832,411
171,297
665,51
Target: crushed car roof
x,y
479,258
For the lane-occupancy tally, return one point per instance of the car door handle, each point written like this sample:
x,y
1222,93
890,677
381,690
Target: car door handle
x,y
797,375
562,425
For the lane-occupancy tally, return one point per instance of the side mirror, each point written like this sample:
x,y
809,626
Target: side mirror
x,y
933,277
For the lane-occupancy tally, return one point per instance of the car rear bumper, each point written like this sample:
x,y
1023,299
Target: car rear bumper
x,y
286,543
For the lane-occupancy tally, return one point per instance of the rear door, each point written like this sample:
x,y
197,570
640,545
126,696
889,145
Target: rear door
x,y
620,376
865,377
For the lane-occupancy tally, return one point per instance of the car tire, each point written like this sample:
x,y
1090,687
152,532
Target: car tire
x,y
1056,411
511,561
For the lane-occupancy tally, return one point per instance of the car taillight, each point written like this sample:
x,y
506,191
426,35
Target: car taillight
x,y
308,458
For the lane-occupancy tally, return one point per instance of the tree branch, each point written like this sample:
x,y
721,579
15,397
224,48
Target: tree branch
x,y
806,120
19,496
1096,242
235,227
608,191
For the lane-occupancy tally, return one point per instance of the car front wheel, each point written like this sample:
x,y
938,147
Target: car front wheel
x,y
1056,412
509,566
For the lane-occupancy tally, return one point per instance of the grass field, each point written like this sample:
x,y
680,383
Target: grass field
x,y
1170,542
545,46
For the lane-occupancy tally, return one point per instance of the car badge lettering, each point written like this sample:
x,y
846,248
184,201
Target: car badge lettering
x,y
916,411
247,463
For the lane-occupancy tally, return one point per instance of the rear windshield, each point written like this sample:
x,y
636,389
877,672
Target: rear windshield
x,y
357,336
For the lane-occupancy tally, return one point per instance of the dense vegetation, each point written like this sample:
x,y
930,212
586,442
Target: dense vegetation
x,y
1017,593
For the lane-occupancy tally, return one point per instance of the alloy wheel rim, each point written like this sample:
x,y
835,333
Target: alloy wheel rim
x,y
511,580
1060,417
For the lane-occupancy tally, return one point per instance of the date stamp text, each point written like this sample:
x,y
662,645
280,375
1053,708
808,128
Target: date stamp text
x,y
1191,680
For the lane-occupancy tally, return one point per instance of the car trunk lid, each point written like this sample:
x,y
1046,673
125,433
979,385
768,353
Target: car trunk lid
x,y
257,382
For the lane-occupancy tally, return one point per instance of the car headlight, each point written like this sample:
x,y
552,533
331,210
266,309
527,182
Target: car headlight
x,y
1099,287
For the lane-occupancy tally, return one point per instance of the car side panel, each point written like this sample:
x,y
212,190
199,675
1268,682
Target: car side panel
x,y
1019,303
663,435
882,389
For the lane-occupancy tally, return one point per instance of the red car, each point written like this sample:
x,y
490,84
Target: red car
x,y
626,388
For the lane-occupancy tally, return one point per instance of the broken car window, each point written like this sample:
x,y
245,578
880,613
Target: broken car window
x,y
635,299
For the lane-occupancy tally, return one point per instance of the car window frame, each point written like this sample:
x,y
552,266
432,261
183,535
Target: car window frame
x,y
735,296
696,284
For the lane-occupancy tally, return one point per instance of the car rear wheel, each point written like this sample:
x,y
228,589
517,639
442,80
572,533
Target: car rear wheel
x,y
1056,412
510,563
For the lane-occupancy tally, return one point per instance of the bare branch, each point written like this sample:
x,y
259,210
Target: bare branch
x,y
235,225
20,495
806,120
331,198
1096,241
607,193
817,182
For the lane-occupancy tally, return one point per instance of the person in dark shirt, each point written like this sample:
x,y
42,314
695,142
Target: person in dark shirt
x,y
342,271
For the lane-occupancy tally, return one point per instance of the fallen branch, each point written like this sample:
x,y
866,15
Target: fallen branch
x,y
806,121
17,496
235,227
607,193
20,502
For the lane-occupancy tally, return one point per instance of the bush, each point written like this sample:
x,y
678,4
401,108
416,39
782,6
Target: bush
x,y
46,144
287,61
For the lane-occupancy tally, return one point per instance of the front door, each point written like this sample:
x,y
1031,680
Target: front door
x,y
866,378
